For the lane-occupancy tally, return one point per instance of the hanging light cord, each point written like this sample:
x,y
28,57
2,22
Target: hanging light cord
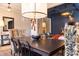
x,y
35,10
8,5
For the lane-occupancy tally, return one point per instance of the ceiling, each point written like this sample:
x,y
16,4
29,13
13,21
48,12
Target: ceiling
x,y
17,6
51,5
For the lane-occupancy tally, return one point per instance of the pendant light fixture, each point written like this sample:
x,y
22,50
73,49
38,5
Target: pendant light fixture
x,y
9,7
34,10
69,15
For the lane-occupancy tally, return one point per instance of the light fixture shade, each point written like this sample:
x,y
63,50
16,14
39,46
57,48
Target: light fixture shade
x,y
1,23
66,14
43,24
9,9
37,10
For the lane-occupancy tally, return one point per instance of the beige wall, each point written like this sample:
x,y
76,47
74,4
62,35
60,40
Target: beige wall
x,y
38,27
48,25
15,15
19,22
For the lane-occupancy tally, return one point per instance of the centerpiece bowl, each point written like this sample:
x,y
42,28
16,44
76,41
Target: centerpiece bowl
x,y
35,37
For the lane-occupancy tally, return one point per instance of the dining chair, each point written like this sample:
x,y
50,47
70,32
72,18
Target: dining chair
x,y
25,49
19,47
28,50
15,47
22,49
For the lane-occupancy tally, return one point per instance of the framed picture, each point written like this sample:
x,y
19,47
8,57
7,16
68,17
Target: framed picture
x,y
8,23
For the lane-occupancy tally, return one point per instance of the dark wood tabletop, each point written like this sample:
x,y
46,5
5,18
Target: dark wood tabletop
x,y
44,46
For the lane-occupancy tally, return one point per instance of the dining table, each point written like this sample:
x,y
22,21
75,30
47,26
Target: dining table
x,y
45,47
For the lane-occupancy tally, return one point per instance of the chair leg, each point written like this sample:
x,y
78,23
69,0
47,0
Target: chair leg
x,y
29,53
11,52
14,54
20,53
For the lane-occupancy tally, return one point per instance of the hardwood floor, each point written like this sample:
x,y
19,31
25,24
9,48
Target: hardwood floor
x,y
5,50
